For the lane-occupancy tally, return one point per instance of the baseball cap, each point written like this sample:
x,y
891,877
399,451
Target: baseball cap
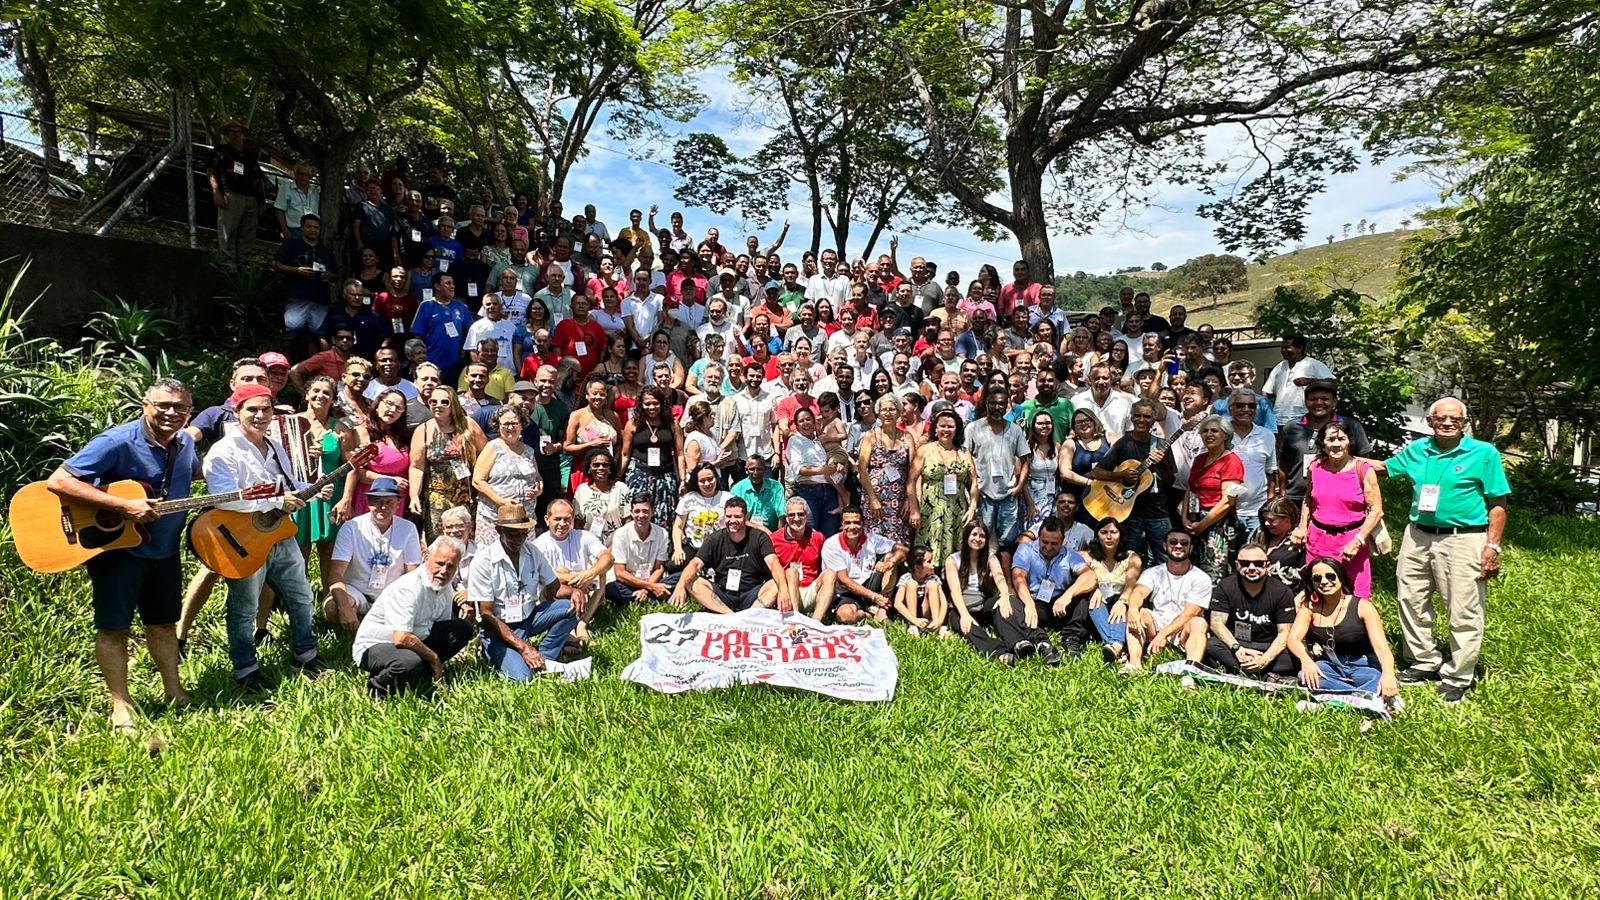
x,y
773,286
248,391
902,331
273,358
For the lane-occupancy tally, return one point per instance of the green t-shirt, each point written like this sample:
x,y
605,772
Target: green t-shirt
x,y
1060,412
792,300
766,505
1467,477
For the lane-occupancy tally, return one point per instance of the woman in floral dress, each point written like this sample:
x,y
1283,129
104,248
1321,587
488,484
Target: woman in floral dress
x,y
885,464
944,495
444,450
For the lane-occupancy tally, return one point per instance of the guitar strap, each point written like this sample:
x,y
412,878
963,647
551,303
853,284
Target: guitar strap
x,y
172,462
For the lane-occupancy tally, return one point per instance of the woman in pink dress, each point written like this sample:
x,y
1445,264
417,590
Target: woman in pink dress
x,y
1342,508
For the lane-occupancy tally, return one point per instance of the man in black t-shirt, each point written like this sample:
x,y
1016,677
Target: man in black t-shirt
x,y
743,568
1148,524
1249,620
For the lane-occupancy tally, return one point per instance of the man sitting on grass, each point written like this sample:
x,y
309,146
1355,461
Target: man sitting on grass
x,y
372,551
411,630
1165,608
741,565
855,569
515,590
639,554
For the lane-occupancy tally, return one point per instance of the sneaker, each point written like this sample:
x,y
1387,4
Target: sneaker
x,y
1023,648
1187,683
253,685
1109,654
1453,693
1308,706
1075,649
1048,653
1007,659
312,668
1417,676
263,637
914,631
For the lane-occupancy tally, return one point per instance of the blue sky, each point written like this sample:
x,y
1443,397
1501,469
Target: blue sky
x,y
1169,232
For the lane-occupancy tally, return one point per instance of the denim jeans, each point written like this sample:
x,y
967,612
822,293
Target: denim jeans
x,y
999,518
622,595
1346,674
1110,632
1149,537
1249,524
286,572
819,499
555,620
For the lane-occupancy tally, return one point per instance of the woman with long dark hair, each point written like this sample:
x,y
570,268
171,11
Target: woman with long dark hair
x,y
1339,638
1112,571
652,452
943,495
982,609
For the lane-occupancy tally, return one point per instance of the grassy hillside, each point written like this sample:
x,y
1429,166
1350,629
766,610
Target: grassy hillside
x,y
1367,264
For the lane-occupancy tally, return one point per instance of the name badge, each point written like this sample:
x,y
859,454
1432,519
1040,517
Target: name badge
x,y
652,457
238,168
451,329
416,235
544,442
731,580
1047,590
1305,466
318,267
997,469
397,325
366,301
1430,498
377,579
516,607
444,265
472,289
580,348
427,293
950,484
458,468
1194,503
1243,631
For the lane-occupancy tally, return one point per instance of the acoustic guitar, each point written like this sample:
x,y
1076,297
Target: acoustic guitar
x,y
55,533
1114,499
235,544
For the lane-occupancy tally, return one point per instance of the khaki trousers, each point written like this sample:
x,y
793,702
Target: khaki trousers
x,y
1448,564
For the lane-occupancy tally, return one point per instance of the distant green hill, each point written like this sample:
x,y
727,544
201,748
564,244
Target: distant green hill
x,y
1367,264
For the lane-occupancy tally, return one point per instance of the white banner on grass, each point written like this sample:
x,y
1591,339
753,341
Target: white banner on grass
x,y
1366,702
701,651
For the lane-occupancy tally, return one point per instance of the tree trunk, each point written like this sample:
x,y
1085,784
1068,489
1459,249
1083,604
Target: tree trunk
x,y
1027,203
42,91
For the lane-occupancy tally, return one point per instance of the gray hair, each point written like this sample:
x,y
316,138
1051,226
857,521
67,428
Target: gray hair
x,y
1241,394
428,365
446,542
166,384
455,514
1223,425
1433,408
413,344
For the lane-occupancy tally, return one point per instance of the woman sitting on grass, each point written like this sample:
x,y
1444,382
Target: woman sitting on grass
x,y
981,606
1339,639
920,601
1112,573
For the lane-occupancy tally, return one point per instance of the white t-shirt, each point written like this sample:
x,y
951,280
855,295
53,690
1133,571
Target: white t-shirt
x,y
1289,399
376,560
836,557
1113,414
502,331
374,388
1258,450
576,553
702,515
1169,593
644,313
410,604
639,555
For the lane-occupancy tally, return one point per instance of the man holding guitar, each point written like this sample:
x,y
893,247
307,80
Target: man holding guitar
x,y
247,457
152,449
1148,524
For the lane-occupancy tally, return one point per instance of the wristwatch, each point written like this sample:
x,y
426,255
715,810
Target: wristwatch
x,y
1235,648
1494,547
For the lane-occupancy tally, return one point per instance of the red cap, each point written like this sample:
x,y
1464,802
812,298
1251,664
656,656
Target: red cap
x,y
248,391
273,358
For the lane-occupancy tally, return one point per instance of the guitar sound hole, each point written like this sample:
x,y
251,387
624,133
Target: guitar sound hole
x,y
267,520
107,519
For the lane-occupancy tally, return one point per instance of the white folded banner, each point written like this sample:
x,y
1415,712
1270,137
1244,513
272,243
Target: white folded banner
x,y
700,651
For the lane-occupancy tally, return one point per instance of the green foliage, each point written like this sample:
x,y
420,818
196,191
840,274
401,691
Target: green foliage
x,y
1209,277
1359,342
1547,487
1082,291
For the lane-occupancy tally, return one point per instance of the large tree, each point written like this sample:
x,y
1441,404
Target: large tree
x,y
1087,107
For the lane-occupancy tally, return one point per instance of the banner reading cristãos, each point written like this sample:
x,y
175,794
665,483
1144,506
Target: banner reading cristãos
x,y
701,651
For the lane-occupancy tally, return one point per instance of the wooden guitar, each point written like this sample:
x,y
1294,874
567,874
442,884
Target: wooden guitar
x,y
235,544
55,533
1114,499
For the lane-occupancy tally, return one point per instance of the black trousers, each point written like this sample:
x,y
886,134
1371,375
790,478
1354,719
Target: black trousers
x,y
1074,626
391,669
992,633
843,596
1221,657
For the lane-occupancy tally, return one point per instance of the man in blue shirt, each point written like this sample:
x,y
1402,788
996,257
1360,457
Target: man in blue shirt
x,y
446,249
442,323
155,450
1041,572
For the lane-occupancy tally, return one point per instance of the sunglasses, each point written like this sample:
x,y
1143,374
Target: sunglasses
x,y
1325,578
438,402
1252,564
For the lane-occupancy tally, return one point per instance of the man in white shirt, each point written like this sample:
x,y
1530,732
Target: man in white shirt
x,y
411,631
719,323
855,567
827,282
297,199
241,459
1286,385
1165,608
387,375
639,557
1108,404
1257,448
579,558
372,551
495,324
514,588
753,416
640,310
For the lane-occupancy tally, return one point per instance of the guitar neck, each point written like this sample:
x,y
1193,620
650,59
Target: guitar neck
x,y
187,503
324,481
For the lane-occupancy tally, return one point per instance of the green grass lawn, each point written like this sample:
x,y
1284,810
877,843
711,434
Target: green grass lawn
x,y
974,782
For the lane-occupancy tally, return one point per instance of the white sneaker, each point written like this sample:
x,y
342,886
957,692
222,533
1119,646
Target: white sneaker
x,y
1307,706
1187,683
914,630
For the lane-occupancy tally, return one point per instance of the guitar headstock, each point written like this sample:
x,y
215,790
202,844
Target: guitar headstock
x,y
363,456
259,491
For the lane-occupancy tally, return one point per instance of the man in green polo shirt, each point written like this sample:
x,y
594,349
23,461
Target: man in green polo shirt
x,y
763,495
1047,400
1452,546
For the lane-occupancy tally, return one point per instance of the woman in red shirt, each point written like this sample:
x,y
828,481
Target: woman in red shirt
x,y
1215,480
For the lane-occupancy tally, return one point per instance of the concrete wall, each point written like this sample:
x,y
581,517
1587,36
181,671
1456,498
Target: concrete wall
x,y
73,271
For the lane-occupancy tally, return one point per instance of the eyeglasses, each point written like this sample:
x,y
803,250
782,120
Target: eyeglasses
x,y
1457,421
169,407
1244,406
1325,578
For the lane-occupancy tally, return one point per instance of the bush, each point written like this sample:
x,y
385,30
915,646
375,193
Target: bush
x,y
1547,486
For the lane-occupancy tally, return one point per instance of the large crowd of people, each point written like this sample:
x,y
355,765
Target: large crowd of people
x,y
567,417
